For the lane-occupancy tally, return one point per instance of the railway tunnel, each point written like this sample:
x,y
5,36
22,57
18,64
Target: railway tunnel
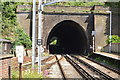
x,y
67,37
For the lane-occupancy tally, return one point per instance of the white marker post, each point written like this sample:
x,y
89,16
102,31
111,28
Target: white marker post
x,y
20,52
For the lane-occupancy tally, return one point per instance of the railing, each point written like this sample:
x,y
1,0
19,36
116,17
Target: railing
x,y
114,48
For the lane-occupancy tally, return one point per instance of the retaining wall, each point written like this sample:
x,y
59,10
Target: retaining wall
x,y
5,63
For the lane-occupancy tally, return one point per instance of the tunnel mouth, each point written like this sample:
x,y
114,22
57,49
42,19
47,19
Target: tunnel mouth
x,y
67,37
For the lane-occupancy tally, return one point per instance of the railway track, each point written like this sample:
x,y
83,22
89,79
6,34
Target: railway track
x,y
114,70
85,70
46,66
79,69
67,71
60,67
102,75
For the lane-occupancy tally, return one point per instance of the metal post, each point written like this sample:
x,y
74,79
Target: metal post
x,y
9,72
110,32
20,71
110,12
40,28
93,43
39,34
33,33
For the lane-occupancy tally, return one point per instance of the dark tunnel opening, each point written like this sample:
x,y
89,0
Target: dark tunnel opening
x,y
67,37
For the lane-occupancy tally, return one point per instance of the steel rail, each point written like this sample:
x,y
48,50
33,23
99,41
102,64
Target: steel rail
x,y
61,70
114,70
97,71
80,70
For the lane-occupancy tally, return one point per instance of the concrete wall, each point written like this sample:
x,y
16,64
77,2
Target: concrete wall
x,y
100,27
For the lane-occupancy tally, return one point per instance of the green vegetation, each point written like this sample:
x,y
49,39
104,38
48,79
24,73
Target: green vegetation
x,y
106,61
115,39
25,9
8,18
112,63
22,39
113,4
26,74
109,4
78,3
9,26
15,74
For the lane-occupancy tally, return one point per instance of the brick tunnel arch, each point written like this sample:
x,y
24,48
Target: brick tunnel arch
x,y
67,37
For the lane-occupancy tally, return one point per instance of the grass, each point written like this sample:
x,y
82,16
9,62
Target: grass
x,y
105,61
109,62
32,74
15,74
27,74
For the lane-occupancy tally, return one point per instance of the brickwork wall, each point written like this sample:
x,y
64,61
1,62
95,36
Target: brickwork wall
x,y
0,69
13,63
4,65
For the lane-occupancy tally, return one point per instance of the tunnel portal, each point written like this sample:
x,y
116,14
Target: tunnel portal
x,y
67,37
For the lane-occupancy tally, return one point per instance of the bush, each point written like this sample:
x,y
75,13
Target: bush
x,y
22,39
115,39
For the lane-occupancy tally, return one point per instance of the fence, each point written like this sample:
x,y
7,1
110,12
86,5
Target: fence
x,y
115,48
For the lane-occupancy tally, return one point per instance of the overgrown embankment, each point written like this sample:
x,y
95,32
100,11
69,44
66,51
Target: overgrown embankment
x,y
9,26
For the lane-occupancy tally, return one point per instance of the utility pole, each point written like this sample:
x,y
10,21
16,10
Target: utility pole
x,y
40,30
33,33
